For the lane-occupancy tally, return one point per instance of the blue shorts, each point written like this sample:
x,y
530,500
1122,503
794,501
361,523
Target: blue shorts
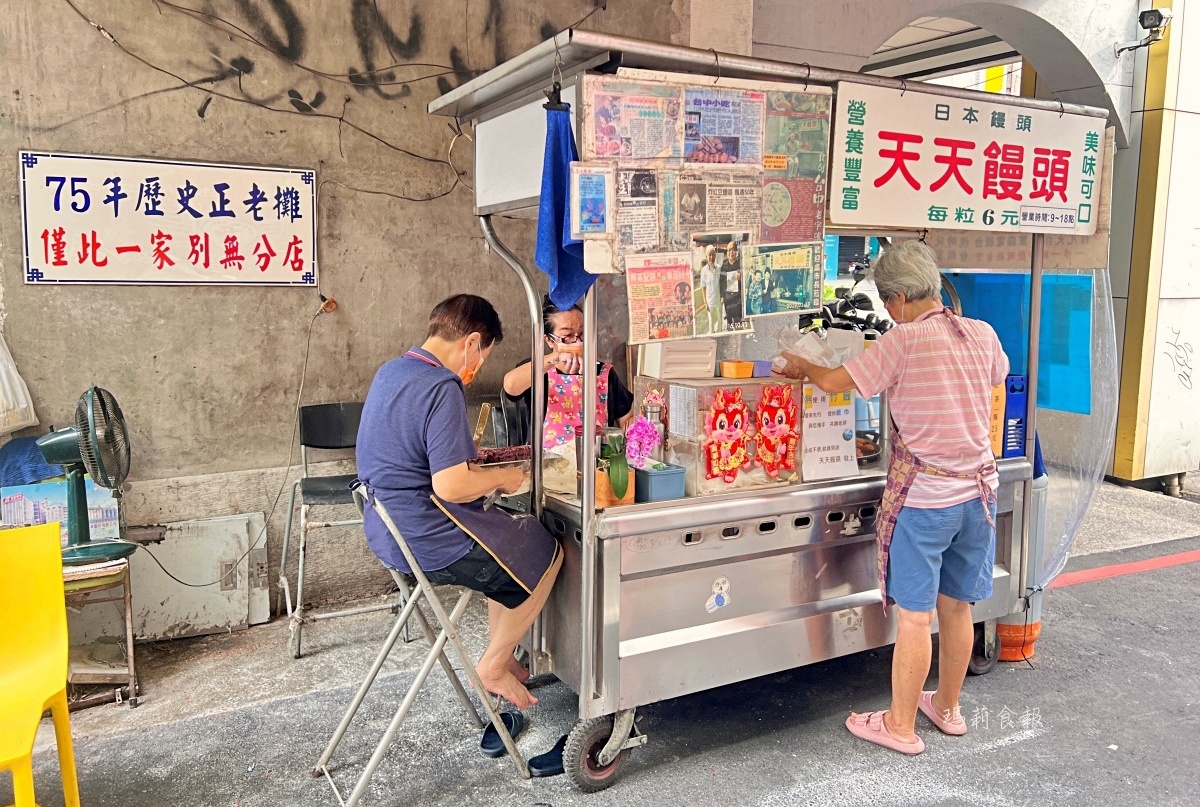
x,y
946,550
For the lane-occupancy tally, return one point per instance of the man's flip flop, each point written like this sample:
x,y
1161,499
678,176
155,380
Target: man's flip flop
x,y
949,721
491,745
551,762
869,726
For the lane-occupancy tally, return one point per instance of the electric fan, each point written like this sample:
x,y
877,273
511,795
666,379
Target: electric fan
x,y
99,444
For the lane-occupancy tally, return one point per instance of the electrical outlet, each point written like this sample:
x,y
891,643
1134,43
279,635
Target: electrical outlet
x,y
229,575
258,568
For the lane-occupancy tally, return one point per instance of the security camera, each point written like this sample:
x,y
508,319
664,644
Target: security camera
x,y
1153,21
1155,18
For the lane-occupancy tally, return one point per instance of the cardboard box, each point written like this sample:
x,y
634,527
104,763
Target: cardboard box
x,y
827,436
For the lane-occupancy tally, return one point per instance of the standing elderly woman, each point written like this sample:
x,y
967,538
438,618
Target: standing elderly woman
x,y
936,530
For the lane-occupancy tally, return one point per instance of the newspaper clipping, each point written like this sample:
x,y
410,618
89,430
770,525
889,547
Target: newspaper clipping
x,y
633,121
783,278
723,126
796,147
718,200
637,211
660,297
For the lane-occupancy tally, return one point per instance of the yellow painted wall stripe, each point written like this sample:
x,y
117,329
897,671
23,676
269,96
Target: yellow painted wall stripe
x,y
1145,275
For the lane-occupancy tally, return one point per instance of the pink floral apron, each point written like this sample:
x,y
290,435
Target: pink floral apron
x,y
903,467
564,406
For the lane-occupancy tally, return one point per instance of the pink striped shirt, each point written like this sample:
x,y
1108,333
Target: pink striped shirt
x,y
940,395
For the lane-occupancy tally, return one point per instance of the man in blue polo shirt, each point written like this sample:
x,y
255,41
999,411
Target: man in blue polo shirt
x,y
415,454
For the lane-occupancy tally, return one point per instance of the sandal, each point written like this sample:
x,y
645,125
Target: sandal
x,y
869,726
949,721
491,745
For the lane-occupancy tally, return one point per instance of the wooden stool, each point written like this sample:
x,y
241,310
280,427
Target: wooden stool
x,y
79,583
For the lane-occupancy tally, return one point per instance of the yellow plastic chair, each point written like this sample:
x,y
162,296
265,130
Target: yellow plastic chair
x,y
33,656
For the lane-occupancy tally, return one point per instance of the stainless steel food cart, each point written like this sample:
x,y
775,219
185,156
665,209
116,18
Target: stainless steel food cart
x,y
626,624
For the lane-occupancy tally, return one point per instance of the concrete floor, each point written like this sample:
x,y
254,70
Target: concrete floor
x,y
1106,715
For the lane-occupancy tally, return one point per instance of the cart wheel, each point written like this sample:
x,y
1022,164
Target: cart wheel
x,y
584,744
986,652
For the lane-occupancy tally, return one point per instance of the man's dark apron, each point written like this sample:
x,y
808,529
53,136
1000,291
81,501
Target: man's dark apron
x,y
903,467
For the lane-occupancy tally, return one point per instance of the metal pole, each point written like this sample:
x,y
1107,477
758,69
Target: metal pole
x,y
1035,325
1036,268
537,408
587,467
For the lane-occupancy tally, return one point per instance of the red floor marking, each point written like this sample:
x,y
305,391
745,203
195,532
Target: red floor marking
x,y
1118,569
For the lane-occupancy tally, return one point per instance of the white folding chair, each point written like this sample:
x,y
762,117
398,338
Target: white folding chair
x,y
448,623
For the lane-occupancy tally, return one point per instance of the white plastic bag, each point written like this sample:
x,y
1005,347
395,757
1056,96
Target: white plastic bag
x,y
16,407
833,349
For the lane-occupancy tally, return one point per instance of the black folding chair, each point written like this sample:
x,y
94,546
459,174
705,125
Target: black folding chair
x,y
330,426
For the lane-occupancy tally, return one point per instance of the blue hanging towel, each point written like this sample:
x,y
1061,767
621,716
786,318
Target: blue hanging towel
x,y
559,255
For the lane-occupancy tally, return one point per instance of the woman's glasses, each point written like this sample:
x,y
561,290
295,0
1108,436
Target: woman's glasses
x,y
566,340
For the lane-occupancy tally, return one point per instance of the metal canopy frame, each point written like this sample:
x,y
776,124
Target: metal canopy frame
x,y
570,50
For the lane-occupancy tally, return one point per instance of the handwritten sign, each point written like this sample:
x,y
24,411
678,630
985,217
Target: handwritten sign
x,y
94,219
919,160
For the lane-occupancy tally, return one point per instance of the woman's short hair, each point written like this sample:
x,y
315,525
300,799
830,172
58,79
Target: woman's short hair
x,y
909,268
463,314
550,311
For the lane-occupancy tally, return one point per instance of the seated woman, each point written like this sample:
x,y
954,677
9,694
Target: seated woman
x,y
563,367
415,455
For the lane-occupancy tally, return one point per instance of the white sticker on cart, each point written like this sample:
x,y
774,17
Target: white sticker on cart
x,y
682,401
720,595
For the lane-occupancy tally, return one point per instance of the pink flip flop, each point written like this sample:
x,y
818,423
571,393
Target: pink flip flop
x,y
950,721
869,726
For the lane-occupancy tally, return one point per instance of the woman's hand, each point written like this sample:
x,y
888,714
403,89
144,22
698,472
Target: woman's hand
x,y
565,362
796,367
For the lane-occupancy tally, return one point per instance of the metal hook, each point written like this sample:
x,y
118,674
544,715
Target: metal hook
x,y
924,233
807,75
1061,109
903,87
717,59
556,73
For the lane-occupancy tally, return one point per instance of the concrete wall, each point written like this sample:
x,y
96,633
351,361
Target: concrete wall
x,y
1068,43
208,377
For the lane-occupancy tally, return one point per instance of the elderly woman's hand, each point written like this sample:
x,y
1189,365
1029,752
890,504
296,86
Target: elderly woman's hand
x,y
796,367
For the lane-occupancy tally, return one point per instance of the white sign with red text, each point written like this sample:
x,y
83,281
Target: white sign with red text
x,y
917,160
95,219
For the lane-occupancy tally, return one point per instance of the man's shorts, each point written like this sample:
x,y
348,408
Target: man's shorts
x,y
479,571
945,550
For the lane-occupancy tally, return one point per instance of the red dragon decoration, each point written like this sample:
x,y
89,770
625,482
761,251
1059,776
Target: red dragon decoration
x,y
728,448
775,418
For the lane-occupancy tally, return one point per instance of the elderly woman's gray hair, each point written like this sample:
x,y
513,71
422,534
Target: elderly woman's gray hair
x,y
909,268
